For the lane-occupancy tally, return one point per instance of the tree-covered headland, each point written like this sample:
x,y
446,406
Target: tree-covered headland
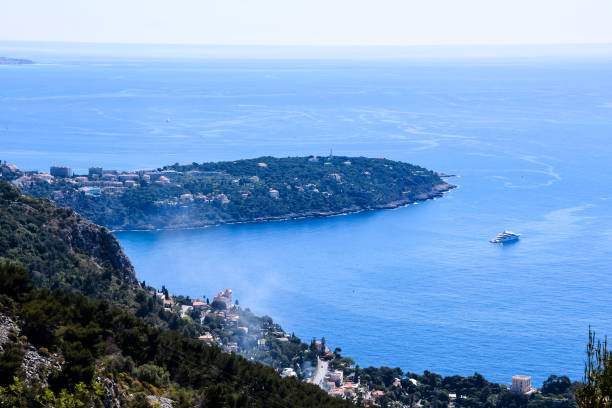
x,y
261,189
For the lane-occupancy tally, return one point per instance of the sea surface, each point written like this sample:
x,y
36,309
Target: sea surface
x,y
418,287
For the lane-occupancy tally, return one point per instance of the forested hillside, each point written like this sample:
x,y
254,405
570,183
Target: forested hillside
x,y
62,250
64,350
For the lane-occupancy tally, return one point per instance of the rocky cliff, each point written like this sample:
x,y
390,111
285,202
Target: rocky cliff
x,y
60,248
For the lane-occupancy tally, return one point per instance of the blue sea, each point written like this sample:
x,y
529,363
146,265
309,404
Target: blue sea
x,y
418,287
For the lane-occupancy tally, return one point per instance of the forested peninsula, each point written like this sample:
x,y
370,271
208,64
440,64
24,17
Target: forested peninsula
x,y
192,195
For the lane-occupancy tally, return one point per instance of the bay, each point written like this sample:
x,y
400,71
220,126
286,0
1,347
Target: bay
x,y
418,287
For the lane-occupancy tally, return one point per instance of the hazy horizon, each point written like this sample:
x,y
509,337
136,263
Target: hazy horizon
x,y
54,49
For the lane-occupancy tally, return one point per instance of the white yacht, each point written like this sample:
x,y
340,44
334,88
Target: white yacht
x,y
505,236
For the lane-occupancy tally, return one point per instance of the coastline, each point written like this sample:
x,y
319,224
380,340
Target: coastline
x,y
437,191
15,61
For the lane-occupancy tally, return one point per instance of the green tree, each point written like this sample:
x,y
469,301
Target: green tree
x,y
14,279
556,385
10,364
596,391
218,305
153,374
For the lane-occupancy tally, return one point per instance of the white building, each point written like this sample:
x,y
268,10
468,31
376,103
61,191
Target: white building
x,y
522,384
185,309
225,297
288,372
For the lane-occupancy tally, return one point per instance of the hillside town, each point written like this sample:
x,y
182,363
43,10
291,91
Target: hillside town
x,y
252,338
100,181
235,330
227,326
111,182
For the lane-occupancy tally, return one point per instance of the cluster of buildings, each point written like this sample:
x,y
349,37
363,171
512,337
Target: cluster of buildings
x,y
222,307
10,172
94,183
336,386
334,382
190,198
110,181
99,181
7,171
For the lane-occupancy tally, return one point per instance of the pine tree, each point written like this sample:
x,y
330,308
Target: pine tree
x,y
596,391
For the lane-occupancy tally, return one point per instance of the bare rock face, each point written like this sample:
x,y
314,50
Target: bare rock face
x,y
51,242
102,247
163,402
38,367
112,395
84,237
7,325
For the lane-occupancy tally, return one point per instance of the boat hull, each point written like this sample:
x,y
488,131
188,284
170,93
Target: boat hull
x,y
501,241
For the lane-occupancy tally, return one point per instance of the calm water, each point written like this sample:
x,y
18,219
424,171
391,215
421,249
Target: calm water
x,y
419,287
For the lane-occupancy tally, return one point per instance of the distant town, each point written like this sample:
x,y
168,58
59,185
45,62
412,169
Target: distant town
x,y
97,180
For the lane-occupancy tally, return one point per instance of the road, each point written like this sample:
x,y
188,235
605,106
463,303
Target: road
x,y
322,368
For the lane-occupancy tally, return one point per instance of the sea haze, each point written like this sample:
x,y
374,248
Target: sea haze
x,y
419,287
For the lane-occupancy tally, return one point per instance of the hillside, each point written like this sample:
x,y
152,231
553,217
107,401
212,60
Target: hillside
x,y
261,189
64,251
61,350
60,248
101,354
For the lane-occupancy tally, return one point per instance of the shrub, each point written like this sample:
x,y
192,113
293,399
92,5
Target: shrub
x,y
153,375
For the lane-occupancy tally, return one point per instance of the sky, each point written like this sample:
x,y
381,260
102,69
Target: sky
x,y
308,22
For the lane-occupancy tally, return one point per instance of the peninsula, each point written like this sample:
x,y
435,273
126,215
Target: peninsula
x,y
192,195
14,61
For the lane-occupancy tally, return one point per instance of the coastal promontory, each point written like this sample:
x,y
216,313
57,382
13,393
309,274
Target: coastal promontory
x,y
191,195
14,61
